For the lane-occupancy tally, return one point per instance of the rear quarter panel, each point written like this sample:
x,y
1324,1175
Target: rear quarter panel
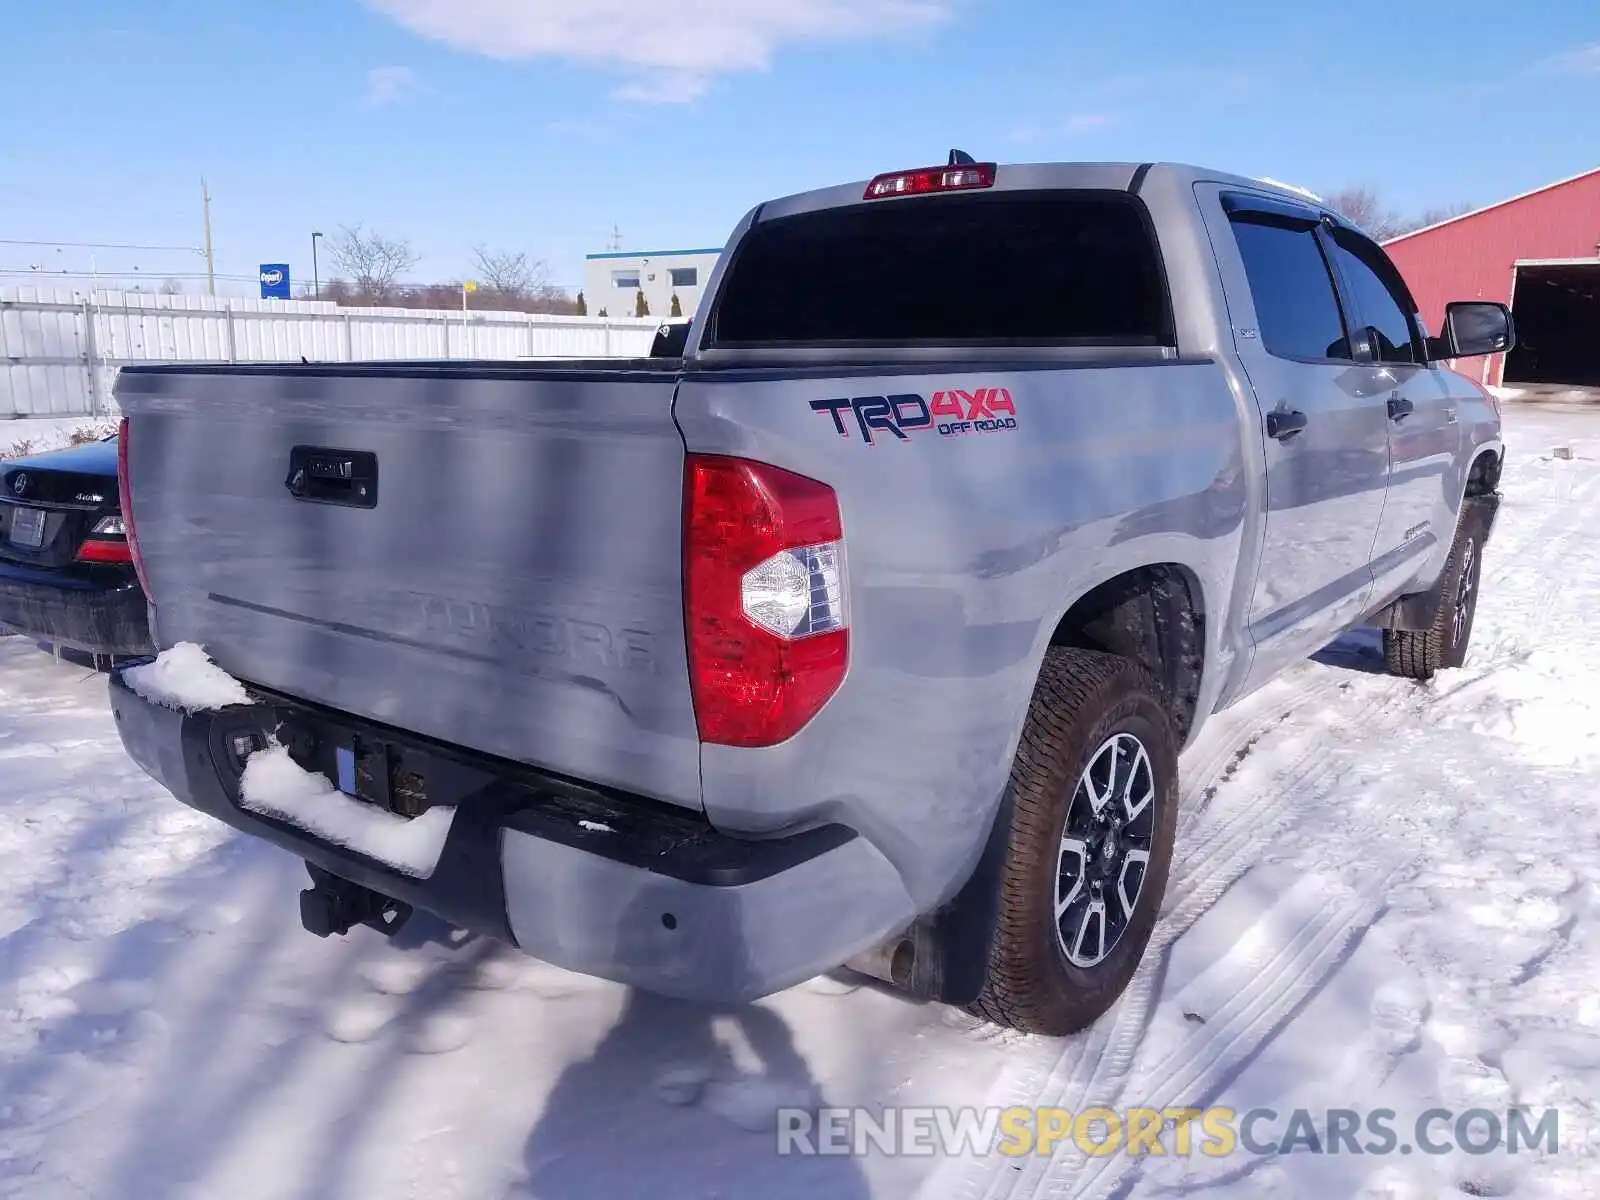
x,y
963,553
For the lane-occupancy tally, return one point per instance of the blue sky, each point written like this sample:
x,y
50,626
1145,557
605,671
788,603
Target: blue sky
x,y
537,124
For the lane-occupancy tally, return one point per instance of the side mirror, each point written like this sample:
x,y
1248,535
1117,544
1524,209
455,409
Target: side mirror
x,y
1471,328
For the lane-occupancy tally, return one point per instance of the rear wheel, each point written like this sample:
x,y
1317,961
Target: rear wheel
x,y
1418,653
1093,811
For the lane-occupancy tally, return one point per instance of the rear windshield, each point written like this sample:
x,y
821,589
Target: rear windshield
x,y
1034,268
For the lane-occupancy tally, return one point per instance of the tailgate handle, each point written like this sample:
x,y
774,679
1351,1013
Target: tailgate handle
x,y
326,476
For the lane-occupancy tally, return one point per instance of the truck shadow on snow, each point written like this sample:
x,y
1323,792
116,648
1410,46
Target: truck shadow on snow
x,y
181,1039
167,1026
1358,650
681,1098
649,1112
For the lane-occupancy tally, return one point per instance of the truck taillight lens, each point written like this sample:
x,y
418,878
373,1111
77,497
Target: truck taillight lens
x,y
125,501
765,594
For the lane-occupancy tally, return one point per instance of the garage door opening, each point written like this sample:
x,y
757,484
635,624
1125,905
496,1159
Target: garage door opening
x,y
1557,308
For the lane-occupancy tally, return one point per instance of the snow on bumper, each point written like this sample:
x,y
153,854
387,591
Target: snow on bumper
x,y
646,896
184,677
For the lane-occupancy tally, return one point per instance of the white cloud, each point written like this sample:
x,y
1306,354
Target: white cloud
x,y
1582,60
664,87
386,85
671,52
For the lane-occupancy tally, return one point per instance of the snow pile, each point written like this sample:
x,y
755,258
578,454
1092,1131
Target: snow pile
x,y
185,678
277,786
40,435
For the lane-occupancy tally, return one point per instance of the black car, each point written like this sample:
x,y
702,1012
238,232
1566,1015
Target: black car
x,y
66,576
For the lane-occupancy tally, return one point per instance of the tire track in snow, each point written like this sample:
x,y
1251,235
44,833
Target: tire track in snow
x,y
1230,735
1094,1071
1529,570
1218,848
1227,835
1250,993
1099,1067
1549,538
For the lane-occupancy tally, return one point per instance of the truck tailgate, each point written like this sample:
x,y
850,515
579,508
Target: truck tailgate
x,y
486,555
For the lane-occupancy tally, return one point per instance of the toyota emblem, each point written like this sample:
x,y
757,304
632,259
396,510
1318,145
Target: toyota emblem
x,y
19,483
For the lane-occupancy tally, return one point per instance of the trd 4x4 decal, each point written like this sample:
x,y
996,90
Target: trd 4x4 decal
x,y
951,413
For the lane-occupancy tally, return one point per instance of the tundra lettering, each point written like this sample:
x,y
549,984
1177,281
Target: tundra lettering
x,y
502,629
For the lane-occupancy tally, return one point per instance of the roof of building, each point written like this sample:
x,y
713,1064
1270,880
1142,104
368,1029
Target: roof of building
x,y
1497,204
652,253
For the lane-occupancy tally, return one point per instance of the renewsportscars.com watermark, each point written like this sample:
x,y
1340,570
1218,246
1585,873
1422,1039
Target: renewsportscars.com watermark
x,y
1179,1132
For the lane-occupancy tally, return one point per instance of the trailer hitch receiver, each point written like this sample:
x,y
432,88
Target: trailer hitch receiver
x,y
336,906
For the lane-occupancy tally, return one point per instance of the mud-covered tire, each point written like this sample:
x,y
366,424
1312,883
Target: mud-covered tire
x,y
1083,703
1418,653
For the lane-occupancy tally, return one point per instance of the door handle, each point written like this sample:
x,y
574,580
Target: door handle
x,y
1283,424
1399,407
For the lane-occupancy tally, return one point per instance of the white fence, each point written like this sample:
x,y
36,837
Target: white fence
x,y
60,349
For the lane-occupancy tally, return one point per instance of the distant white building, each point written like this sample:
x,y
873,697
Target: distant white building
x,y
613,281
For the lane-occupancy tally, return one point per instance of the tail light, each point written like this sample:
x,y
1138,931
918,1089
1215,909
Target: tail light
x,y
931,179
107,543
125,502
764,588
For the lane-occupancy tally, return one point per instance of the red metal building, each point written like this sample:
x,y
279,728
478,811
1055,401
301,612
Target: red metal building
x,y
1538,252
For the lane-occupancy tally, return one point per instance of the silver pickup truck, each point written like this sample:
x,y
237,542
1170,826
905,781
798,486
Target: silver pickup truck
x,y
868,628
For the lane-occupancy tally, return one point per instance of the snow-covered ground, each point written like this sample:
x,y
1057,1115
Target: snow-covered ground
x,y
1387,896
34,435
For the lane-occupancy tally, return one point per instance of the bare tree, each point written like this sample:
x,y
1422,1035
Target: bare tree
x,y
373,262
1363,207
448,296
511,274
172,288
1433,216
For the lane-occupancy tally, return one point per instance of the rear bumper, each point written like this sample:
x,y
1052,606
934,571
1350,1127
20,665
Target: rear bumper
x,y
657,899
98,619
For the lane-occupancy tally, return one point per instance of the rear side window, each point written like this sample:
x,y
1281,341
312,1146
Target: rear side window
x,y
1017,267
1297,308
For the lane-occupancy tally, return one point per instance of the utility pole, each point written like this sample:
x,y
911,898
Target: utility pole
x,y
616,238
211,262
316,282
